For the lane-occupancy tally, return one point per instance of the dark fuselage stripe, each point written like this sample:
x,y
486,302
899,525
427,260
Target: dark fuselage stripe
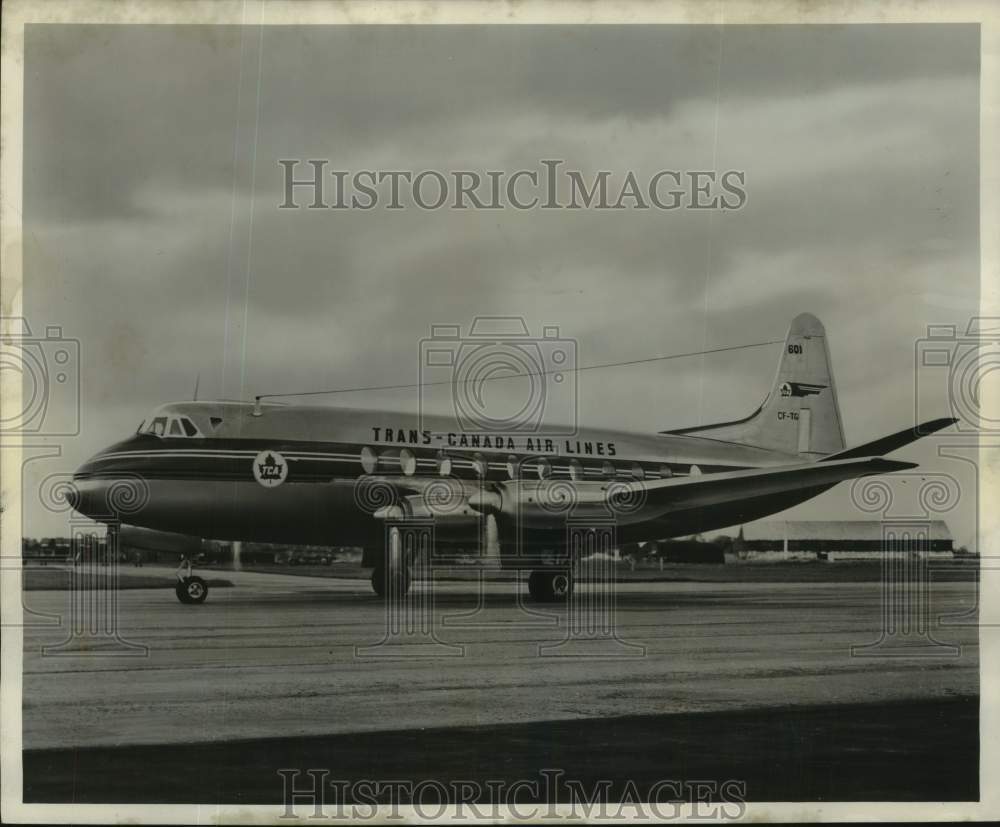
x,y
322,462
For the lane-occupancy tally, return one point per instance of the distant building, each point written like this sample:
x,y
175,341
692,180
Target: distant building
x,y
48,548
690,550
841,540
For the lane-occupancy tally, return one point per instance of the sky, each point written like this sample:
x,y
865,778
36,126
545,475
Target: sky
x,y
153,234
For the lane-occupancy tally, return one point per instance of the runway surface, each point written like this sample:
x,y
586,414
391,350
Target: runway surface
x,y
281,656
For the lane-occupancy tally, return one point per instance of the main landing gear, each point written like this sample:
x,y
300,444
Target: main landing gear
x,y
391,574
190,588
390,584
391,577
544,585
550,585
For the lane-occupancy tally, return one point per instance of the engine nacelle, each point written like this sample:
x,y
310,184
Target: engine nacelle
x,y
446,503
543,503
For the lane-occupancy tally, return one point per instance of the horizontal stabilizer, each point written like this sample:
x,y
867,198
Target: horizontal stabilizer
x,y
893,442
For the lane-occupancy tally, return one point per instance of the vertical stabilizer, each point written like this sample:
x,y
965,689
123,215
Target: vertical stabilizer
x,y
800,415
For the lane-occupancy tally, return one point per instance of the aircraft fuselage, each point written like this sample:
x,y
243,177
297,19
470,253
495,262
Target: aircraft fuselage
x,y
314,475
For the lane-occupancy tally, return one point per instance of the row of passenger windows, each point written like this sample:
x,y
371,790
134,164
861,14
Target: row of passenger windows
x,y
405,460
393,461
166,425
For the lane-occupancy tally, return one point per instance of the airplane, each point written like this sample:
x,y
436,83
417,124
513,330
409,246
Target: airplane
x,y
324,475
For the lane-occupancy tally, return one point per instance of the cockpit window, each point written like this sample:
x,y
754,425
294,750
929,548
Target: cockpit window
x,y
170,426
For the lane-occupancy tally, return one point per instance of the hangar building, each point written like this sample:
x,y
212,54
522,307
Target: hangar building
x,y
841,540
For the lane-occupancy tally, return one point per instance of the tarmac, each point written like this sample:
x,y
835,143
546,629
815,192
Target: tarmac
x,y
286,660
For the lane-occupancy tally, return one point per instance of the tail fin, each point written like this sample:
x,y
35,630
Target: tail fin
x,y
800,415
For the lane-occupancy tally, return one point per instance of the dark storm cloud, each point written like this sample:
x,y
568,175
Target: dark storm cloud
x,y
110,110
113,109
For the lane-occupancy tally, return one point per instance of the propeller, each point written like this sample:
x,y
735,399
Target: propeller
x,y
486,501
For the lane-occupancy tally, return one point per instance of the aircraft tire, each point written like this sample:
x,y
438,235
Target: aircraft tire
x,y
550,585
382,586
192,590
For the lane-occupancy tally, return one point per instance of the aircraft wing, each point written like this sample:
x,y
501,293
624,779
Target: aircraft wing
x,y
685,493
544,503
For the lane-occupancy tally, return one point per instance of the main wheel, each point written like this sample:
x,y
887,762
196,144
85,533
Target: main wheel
x,y
395,585
191,590
550,585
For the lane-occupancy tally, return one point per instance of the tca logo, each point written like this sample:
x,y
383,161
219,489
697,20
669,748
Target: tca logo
x,y
270,468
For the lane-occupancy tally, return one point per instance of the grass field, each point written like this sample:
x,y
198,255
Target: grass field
x,y
862,571
58,578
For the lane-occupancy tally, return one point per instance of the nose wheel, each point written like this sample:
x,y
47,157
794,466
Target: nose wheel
x,y
190,588
550,585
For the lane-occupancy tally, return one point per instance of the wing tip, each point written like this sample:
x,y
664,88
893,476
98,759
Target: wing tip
x,y
935,425
886,466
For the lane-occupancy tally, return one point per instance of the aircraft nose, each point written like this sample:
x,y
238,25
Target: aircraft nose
x,y
85,494
71,494
109,486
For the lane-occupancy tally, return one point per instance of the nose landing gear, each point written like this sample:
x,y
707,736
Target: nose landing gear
x,y
190,588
